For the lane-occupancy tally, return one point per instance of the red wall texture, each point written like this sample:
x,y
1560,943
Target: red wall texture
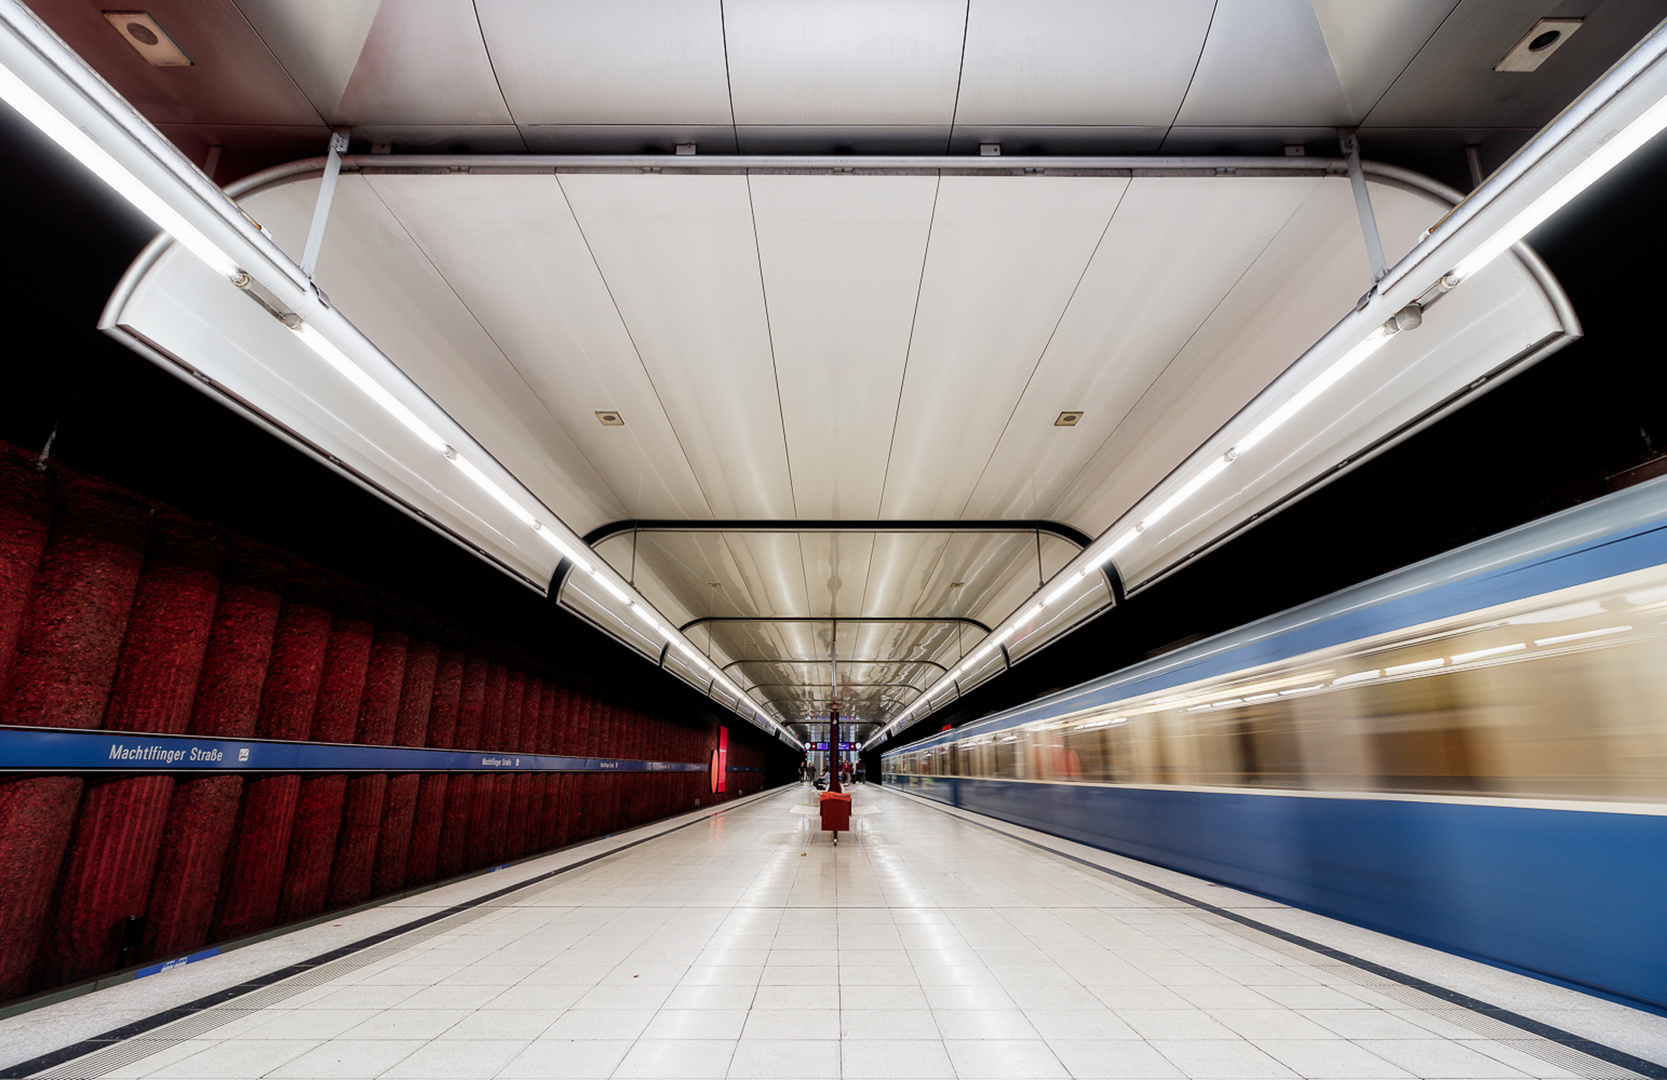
x,y
116,613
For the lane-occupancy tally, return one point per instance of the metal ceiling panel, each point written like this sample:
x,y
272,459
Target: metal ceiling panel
x,y
1371,44
1265,63
1005,255
376,274
317,41
836,571
1174,249
1451,82
945,574
655,62
842,260
1079,62
1313,270
681,262
730,306
509,247
233,77
424,63
857,62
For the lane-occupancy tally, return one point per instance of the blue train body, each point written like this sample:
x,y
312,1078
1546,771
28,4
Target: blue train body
x,y
1577,893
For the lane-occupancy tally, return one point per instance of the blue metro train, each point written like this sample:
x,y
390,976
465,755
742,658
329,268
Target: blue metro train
x,y
1470,752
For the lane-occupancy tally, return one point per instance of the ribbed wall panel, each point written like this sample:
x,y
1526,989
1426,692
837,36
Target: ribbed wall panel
x,y
201,817
62,666
113,850
393,848
119,614
256,856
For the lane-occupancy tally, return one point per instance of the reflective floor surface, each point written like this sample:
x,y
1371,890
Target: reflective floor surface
x,y
927,944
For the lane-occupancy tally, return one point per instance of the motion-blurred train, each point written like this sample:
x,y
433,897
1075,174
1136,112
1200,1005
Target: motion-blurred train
x,y
1470,752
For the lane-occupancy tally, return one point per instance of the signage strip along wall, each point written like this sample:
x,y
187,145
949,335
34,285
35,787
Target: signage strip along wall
x,y
64,750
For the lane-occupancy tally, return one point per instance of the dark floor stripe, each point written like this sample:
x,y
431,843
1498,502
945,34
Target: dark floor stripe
x,y
1651,1069
231,993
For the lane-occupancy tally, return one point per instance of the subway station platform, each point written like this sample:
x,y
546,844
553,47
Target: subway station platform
x,y
739,942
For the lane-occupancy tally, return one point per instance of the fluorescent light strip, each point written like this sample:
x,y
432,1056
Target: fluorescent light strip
x,y
1326,379
1611,153
488,485
85,149
80,145
569,554
1185,492
368,386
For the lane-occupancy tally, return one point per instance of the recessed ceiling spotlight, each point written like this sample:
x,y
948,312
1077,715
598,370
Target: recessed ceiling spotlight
x,y
611,419
1543,39
1068,419
148,38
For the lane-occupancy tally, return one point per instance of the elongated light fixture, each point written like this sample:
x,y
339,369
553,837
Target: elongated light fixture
x,y
1617,115
37,70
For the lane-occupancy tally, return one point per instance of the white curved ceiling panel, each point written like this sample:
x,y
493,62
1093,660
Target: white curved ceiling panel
x,y
788,348
680,257
861,62
371,267
1175,249
317,41
1005,257
517,260
595,62
1372,44
842,264
1265,63
1094,63
423,63
1289,294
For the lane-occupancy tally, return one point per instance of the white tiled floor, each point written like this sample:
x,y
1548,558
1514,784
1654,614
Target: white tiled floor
x,y
923,946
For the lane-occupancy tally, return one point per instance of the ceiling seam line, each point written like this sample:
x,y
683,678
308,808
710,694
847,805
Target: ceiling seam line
x,y
775,372
770,336
1064,310
1197,62
914,324
1144,394
729,84
428,258
486,48
960,75
1366,116
635,348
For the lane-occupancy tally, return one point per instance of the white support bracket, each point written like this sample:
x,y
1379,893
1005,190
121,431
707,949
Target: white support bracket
x,y
1363,204
321,209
